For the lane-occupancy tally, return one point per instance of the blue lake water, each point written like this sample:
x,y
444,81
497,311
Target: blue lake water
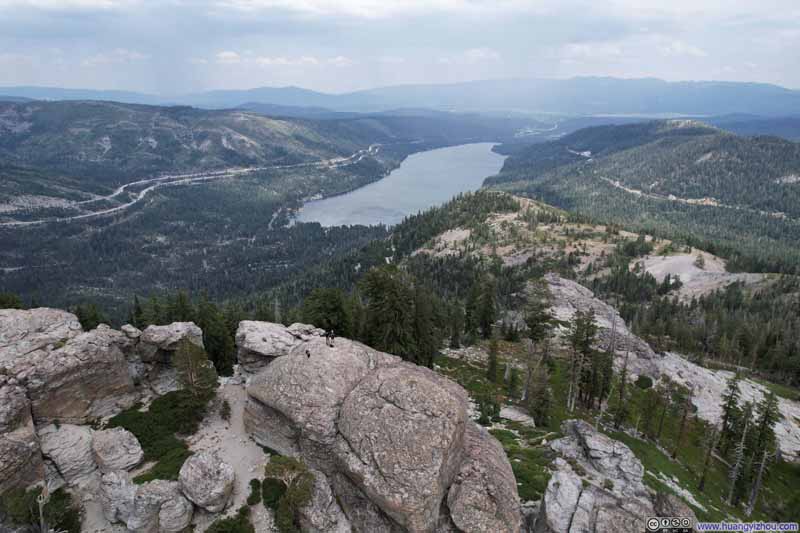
x,y
423,180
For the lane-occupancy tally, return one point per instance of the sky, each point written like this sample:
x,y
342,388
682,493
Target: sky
x,y
172,47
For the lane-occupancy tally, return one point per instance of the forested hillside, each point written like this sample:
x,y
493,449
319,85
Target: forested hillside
x,y
738,194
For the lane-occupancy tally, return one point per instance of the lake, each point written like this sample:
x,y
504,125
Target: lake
x,y
423,180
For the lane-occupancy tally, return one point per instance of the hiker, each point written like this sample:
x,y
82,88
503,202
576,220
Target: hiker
x,y
329,336
308,354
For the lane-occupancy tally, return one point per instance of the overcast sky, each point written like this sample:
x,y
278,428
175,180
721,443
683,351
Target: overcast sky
x,y
175,46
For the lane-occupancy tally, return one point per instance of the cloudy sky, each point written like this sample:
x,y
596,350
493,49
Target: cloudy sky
x,y
176,46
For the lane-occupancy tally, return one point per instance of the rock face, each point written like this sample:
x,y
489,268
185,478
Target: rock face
x,y
568,297
670,505
116,449
478,499
392,440
323,513
20,457
154,507
207,481
608,495
259,343
157,342
70,449
69,376
401,435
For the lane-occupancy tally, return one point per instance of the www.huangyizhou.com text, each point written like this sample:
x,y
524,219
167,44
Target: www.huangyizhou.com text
x,y
747,526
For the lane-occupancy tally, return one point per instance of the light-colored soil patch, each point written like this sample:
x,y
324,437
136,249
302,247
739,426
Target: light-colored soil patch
x,y
696,281
232,443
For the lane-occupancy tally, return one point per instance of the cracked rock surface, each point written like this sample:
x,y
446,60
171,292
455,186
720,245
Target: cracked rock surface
x,y
392,439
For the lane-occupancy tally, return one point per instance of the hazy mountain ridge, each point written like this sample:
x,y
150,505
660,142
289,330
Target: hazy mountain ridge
x,y
583,95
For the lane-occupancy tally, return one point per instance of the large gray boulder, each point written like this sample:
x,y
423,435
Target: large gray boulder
x,y
25,331
401,437
607,494
116,449
157,343
70,449
390,443
259,343
478,499
20,457
568,297
323,513
207,481
297,397
72,380
154,507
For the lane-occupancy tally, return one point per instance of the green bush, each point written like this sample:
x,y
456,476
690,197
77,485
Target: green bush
x,y
236,524
168,465
60,512
297,483
644,382
177,412
272,490
255,492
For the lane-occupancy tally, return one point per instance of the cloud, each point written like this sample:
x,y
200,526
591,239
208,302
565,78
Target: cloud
x,y
680,48
114,57
341,61
472,56
228,57
266,61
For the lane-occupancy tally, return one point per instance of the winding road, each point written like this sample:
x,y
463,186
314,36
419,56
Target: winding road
x,y
184,179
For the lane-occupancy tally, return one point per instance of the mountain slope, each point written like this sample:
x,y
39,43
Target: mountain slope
x,y
675,177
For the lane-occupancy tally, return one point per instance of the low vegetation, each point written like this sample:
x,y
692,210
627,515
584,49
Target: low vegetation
x,y
60,512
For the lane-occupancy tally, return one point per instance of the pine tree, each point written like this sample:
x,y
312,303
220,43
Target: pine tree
x,y
687,406
513,383
456,326
767,416
137,316
487,310
730,413
710,445
427,340
539,399
195,371
217,339
492,365
739,458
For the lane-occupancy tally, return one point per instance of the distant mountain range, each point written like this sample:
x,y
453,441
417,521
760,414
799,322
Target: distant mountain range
x,y
574,96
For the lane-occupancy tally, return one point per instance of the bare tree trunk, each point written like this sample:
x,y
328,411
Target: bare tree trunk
x,y
751,503
707,461
737,467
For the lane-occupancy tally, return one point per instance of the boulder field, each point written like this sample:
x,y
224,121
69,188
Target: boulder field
x,y
390,444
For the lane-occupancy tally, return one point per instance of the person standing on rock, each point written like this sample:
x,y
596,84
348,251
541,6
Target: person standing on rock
x,y
329,338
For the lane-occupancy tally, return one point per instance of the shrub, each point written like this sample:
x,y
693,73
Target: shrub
x,y
255,492
272,490
298,483
177,412
644,382
168,465
235,524
60,512
608,484
225,410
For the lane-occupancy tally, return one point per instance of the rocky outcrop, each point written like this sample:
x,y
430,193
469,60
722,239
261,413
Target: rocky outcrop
x,y
20,457
70,449
259,343
154,507
26,331
69,376
666,504
116,449
478,499
597,489
401,436
323,513
156,343
207,481
568,297
392,439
